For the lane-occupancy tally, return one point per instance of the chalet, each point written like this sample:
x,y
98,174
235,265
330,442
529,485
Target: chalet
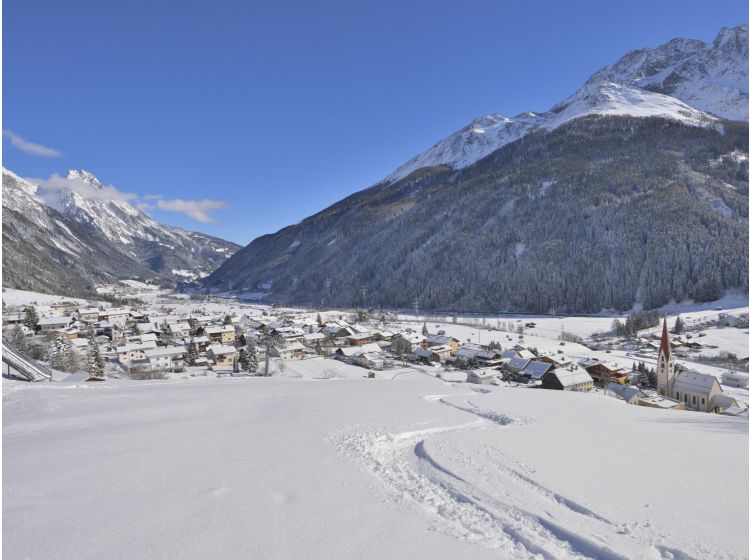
x,y
567,380
427,356
406,343
516,365
50,324
486,358
221,355
290,334
311,339
220,335
535,370
352,351
441,340
605,372
381,336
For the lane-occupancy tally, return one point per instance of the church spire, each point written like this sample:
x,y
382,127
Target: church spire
x,y
664,347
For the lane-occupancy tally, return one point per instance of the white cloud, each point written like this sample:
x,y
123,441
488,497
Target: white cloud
x,y
50,187
200,210
30,147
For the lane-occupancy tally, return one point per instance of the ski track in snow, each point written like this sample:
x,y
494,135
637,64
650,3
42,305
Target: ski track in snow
x,y
417,479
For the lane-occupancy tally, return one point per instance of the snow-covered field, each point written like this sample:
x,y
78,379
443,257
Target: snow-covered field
x,y
412,467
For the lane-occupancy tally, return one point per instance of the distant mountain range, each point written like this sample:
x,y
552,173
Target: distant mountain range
x,y
64,241
632,191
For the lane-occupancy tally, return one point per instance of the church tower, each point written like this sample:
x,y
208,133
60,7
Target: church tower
x,y
665,364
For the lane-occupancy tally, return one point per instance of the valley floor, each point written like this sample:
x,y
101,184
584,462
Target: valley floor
x,y
409,467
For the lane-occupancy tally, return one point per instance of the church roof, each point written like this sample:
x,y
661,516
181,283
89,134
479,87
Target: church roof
x,y
664,345
694,382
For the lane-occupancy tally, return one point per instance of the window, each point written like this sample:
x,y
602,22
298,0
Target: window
x,y
678,395
703,400
693,399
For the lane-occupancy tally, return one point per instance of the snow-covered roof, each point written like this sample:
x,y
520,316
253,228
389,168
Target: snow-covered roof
x,y
165,351
536,369
219,330
571,378
220,349
49,321
694,382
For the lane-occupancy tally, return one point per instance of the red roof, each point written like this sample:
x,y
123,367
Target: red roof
x,y
664,347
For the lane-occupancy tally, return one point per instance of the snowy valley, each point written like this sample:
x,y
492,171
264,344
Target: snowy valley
x,y
354,446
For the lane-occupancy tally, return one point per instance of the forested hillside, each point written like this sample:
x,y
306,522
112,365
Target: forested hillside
x,y
603,212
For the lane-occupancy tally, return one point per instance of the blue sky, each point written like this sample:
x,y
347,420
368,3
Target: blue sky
x,y
279,109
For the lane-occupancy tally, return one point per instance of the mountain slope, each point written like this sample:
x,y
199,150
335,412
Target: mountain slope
x,y
168,251
44,251
686,80
602,212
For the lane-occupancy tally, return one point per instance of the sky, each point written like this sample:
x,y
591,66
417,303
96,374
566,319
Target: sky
x,y
239,118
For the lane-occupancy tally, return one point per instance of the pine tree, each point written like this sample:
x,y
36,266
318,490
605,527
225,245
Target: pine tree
x,y
679,325
191,353
31,319
94,360
18,339
319,320
61,355
235,366
251,359
424,328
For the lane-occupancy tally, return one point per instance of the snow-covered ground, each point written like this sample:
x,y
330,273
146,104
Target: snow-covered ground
x,y
412,467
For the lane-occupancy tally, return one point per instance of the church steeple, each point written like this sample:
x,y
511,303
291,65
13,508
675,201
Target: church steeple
x,y
664,347
665,364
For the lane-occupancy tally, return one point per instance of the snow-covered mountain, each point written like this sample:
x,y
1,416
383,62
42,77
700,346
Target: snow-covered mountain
x,y
686,80
166,250
47,252
74,235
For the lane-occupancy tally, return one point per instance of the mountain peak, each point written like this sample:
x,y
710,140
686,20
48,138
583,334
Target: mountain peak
x,y
84,176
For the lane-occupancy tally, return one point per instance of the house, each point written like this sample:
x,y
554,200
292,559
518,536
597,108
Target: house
x,y
427,356
482,376
221,355
359,339
63,307
166,357
628,393
441,340
178,329
132,351
735,379
291,350
312,339
486,358
567,380
604,372
13,318
88,314
50,324
405,343
535,370
516,365
220,335
658,401
115,316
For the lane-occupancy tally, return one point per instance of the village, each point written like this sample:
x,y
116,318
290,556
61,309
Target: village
x,y
157,334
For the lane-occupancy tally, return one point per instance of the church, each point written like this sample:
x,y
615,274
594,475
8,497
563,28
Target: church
x,y
699,391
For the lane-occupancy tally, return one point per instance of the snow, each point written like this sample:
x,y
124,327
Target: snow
x,y
703,80
364,468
